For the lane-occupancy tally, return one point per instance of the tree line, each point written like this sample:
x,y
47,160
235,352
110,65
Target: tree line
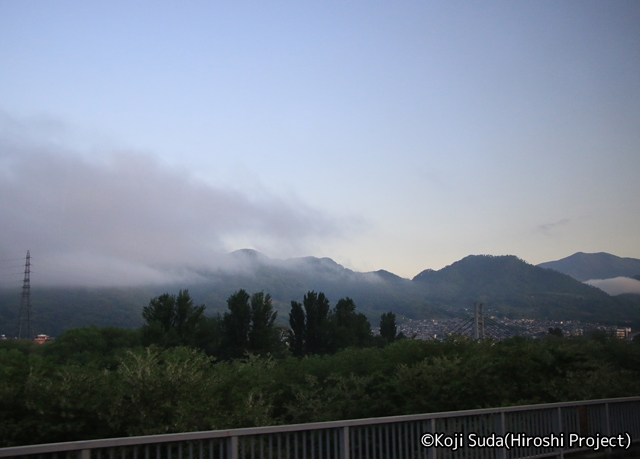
x,y
249,326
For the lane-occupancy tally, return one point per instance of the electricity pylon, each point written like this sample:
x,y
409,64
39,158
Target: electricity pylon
x,y
24,319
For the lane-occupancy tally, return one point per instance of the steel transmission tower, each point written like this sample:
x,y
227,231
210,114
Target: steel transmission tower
x,y
24,319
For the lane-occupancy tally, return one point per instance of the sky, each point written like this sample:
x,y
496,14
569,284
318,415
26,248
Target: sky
x,y
140,140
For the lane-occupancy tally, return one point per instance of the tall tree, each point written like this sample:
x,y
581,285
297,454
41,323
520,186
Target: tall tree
x,y
171,320
349,328
316,307
309,332
388,327
263,336
298,331
317,329
236,324
249,325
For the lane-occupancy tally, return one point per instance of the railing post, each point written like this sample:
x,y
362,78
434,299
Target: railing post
x,y
433,454
502,430
85,454
345,447
232,447
560,430
607,420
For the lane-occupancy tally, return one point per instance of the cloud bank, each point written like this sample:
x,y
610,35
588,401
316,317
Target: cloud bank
x,y
126,218
616,285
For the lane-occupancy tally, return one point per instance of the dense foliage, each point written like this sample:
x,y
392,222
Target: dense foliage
x,y
100,382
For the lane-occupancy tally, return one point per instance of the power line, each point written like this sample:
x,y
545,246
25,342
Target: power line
x,y
479,326
10,259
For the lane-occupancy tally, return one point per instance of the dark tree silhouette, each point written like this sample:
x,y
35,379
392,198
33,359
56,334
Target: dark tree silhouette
x,y
249,325
171,320
263,336
309,332
298,331
236,324
388,328
349,328
316,329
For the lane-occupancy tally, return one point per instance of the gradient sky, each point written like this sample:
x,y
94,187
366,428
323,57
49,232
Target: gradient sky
x,y
138,139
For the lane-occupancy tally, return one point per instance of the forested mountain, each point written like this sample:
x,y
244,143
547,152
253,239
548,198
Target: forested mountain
x,y
287,280
55,309
511,287
586,266
505,284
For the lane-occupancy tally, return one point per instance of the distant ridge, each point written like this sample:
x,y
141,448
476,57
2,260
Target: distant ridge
x,y
512,287
587,266
507,285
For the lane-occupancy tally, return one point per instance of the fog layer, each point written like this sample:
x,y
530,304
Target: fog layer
x,y
122,217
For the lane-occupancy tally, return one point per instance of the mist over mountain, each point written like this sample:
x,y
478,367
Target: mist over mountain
x,y
507,285
587,266
617,285
285,280
290,279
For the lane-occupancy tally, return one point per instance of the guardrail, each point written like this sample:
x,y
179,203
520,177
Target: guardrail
x,y
549,430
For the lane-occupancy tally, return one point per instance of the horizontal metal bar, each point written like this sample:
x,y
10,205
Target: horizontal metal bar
x,y
212,434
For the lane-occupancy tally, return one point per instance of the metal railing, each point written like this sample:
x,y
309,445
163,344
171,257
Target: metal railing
x,y
549,430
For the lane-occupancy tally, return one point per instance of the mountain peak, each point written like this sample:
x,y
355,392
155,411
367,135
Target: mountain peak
x,y
388,276
244,251
472,266
247,258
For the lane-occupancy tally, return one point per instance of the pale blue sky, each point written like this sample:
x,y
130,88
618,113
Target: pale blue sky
x,y
385,135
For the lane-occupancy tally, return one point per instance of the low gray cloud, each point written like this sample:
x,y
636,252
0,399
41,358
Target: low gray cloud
x,y
125,217
616,285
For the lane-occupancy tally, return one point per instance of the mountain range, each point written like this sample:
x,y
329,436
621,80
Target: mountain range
x,y
587,266
507,285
